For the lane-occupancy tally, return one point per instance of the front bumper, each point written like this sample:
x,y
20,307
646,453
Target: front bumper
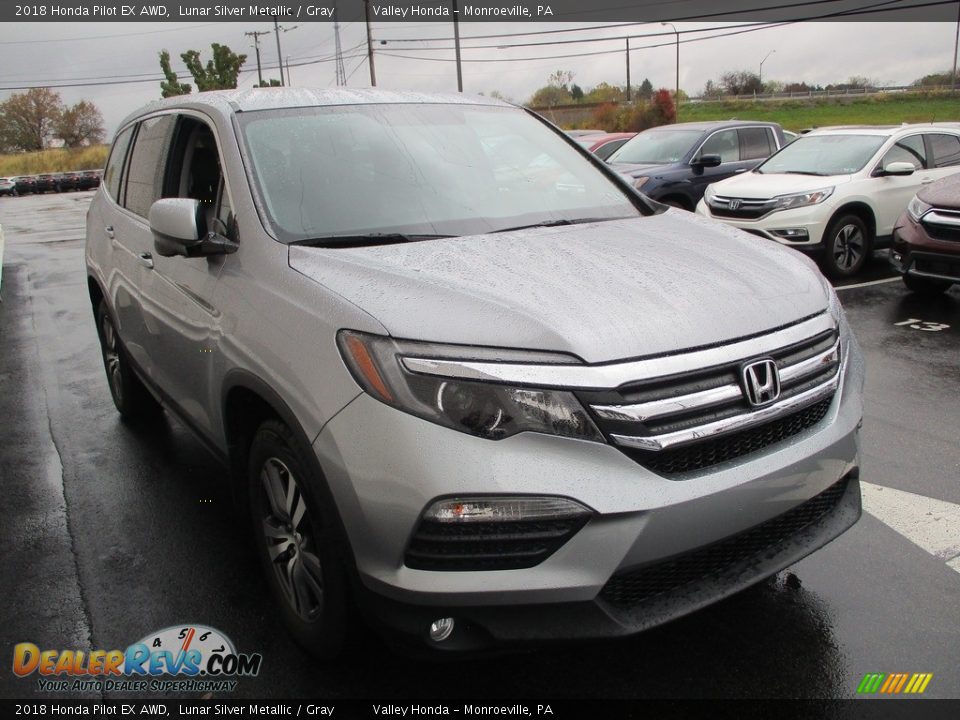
x,y
812,219
384,467
914,252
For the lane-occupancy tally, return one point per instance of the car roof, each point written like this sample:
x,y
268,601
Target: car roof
x,y
881,130
705,125
228,102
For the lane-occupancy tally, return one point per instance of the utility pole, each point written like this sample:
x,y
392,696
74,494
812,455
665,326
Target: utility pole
x,y
373,74
956,41
276,30
456,42
256,44
628,69
341,72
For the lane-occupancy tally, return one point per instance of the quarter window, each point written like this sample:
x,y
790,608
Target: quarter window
x,y
148,162
945,150
114,168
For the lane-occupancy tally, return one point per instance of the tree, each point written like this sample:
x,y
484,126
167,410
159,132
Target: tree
x,y
29,118
711,90
940,78
220,73
576,92
605,93
273,82
172,85
740,82
646,89
79,125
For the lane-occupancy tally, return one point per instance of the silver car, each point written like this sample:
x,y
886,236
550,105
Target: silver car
x,y
467,379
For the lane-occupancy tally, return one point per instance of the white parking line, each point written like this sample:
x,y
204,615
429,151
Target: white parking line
x,y
866,284
932,524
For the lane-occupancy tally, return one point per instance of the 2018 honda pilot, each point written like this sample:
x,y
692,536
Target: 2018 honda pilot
x,y
485,396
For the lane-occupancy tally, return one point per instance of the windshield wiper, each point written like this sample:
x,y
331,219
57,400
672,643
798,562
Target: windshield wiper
x,y
804,172
551,223
367,239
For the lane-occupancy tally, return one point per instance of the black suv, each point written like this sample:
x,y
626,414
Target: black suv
x,y
675,163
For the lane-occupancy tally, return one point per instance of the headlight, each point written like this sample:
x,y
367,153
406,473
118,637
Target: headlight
x,y
814,197
918,208
640,182
709,193
486,410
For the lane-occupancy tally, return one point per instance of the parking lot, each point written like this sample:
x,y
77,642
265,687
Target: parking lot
x,y
112,531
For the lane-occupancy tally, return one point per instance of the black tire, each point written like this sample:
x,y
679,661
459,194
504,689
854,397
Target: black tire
x,y
296,541
928,287
847,246
133,400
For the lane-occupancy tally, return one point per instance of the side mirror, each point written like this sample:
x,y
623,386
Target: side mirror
x,y
897,168
705,161
179,228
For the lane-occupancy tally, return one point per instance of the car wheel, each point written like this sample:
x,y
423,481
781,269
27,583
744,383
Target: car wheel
x,y
132,399
296,542
847,247
926,286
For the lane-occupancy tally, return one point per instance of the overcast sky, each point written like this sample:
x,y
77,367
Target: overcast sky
x,y
818,53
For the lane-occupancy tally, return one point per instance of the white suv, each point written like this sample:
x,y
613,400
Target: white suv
x,y
838,191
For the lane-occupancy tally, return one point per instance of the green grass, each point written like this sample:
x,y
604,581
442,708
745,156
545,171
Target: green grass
x,y
884,109
44,161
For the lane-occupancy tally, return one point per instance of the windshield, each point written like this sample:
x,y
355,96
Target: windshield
x,y
824,155
415,170
657,147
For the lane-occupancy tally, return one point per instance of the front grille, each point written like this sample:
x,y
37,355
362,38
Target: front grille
x,y
744,208
934,265
689,458
629,589
947,231
690,421
488,545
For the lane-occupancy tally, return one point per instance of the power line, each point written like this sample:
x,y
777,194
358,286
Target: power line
x,y
102,37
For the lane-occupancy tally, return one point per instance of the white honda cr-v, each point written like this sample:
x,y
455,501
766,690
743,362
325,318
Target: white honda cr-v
x,y
837,192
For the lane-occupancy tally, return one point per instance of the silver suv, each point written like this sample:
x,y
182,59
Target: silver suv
x,y
467,379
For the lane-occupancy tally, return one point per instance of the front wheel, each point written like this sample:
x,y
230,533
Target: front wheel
x,y
296,542
847,247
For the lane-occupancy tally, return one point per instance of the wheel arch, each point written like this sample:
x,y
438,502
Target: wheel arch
x,y
861,210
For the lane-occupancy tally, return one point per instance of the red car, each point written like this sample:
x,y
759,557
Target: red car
x,y
604,144
926,238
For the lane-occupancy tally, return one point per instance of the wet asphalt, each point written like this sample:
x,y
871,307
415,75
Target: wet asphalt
x,y
111,531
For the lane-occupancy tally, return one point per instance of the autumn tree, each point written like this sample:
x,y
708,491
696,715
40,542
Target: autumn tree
x,y
29,118
740,82
171,86
79,125
220,73
556,91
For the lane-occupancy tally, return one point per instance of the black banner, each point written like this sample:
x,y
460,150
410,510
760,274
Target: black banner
x,y
477,11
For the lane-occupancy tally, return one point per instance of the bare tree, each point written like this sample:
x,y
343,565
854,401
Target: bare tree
x,y
79,125
29,118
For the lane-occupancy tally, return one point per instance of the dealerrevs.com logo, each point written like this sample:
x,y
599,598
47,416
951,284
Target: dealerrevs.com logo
x,y
182,658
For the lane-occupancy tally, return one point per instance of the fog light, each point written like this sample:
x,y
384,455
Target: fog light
x,y
897,256
794,234
441,629
504,509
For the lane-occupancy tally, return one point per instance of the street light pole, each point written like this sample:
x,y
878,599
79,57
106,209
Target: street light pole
x,y
761,67
676,93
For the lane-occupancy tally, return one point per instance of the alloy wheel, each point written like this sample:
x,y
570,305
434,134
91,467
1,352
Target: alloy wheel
x,y
848,247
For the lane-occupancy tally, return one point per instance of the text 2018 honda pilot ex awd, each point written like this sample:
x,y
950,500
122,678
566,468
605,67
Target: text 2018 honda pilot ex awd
x,y
468,379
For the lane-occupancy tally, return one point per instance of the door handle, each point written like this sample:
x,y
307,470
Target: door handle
x,y
109,231
146,259
741,170
926,181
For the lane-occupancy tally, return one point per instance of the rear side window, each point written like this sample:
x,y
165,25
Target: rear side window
x,y
945,149
725,143
111,175
148,163
755,143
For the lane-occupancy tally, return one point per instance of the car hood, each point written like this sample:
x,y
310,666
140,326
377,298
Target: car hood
x,y
638,169
601,291
763,186
944,193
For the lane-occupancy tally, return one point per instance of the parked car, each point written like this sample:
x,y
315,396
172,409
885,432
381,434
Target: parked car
x,y
89,179
926,238
480,407
8,186
576,134
26,184
837,192
46,182
68,181
605,144
674,163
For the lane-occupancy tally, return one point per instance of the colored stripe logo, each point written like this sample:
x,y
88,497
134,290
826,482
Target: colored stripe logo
x,y
894,683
